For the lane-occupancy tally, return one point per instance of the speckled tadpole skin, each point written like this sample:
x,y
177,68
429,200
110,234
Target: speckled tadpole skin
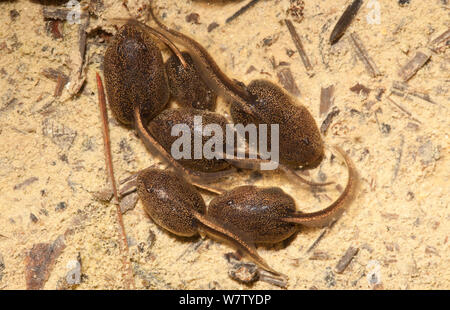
x,y
256,211
135,74
168,199
161,126
186,85
300,141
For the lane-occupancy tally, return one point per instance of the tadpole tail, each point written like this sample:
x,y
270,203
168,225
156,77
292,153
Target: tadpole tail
x,y
255,164
332,212
209,70
289,172
218,230
161,36
197,179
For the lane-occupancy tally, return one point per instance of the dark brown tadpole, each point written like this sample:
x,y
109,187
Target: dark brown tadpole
x,y
186,85
205,64
161,129
137,87
169,200
257,211
175,205
300,142
135,75
269,215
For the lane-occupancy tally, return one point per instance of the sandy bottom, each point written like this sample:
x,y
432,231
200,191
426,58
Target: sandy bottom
x,y
52,157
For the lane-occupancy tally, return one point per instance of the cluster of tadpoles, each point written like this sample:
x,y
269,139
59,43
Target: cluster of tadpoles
x,y
138,86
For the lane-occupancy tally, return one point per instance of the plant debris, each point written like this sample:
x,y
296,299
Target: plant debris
x,y
363,56
345,21
245,273
286,79
193,18
33,218
25,183
414,65
267,277
403,109
212,26
59,134
327,122
320,237
241,10
400,89
319,255
295,10
326,99
441,43
2,267
346,259
128,202
298,43
360,89
40,261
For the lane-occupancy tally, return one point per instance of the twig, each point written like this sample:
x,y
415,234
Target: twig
x,y
399,158
405,88
298,44
346,259
326,99
345,21
322,234
403,110
326,123
191,248
59,13
107,145
3,236
287,80
363,56
411,68
60,83
443,39
265,276
241,10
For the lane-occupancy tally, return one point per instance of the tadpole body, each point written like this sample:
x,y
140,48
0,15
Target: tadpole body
x,y
135,75
186,85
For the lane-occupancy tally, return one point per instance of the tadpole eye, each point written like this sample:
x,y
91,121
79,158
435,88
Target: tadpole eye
x,y
306,141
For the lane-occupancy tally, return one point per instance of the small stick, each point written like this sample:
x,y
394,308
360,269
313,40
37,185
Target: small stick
x,y
403,109
322,234
326,99
191,248
411,68
60,83
363,56
345,21
286,79
298,44
107,145
326,123
399,158
346,259
242,10
59,13
403,87
443,39
265,276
